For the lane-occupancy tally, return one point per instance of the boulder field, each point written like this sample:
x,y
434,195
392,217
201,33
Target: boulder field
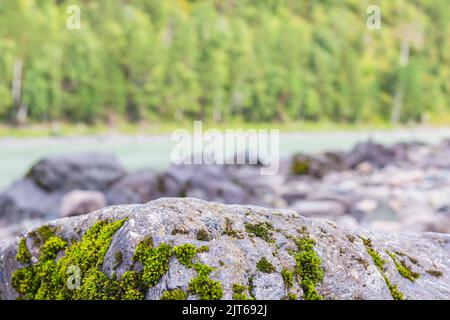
x,y
184,248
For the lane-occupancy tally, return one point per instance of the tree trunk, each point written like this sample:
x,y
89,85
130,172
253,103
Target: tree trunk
x,y
16,91
399,93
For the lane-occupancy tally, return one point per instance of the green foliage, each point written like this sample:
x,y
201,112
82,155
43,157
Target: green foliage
x,y
176,294
47,279
23,255
403,269
203,286
250,60
156,263
203,235
185,253
261,230
308,268
118,259
51,248
292,296
288,278
229,230
264,265
380,264
203,249
42,234
239,292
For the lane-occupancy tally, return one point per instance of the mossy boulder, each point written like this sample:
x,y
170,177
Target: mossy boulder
x,y
302,258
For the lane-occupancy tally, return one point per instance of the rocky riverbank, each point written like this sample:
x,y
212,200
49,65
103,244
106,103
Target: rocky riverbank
x,y
192,249
402,188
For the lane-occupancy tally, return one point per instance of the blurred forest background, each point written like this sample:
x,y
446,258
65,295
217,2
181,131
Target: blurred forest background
x,y
224,61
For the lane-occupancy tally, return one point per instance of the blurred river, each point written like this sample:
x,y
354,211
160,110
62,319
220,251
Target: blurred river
x,y
139,152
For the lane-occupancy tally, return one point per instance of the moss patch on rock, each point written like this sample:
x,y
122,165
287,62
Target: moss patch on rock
x,y
23,255
288,278
203,235
239,292
403,268
308,268
265,266
203,286
185,253
380,264
48,279
262,230
176,294
229,230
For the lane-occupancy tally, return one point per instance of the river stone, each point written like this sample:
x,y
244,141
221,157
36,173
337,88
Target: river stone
x,y
85,171
79,202
24,199
349,272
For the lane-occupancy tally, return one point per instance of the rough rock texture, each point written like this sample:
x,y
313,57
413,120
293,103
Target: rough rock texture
x,y
236,247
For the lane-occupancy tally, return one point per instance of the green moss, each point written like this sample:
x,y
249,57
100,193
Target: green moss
x,y
291,296
118,259
380,264
377,260
142,249
176,294
203,235
303,231
51,248
239,292
300,167
156,263
434,273
23,255
179,231
308,268
185,253
229,230
250,286
288,278
203,286
264,265
48,279
203,249
403,269
261,230
42,234
129,286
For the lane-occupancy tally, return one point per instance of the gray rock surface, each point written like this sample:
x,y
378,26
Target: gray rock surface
x,y
39,194
25,200
86,171
349,272
80,202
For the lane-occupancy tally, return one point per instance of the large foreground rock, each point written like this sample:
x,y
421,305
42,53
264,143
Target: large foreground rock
x,y
238,237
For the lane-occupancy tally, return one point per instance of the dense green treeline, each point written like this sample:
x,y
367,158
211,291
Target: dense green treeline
x,y
265,60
